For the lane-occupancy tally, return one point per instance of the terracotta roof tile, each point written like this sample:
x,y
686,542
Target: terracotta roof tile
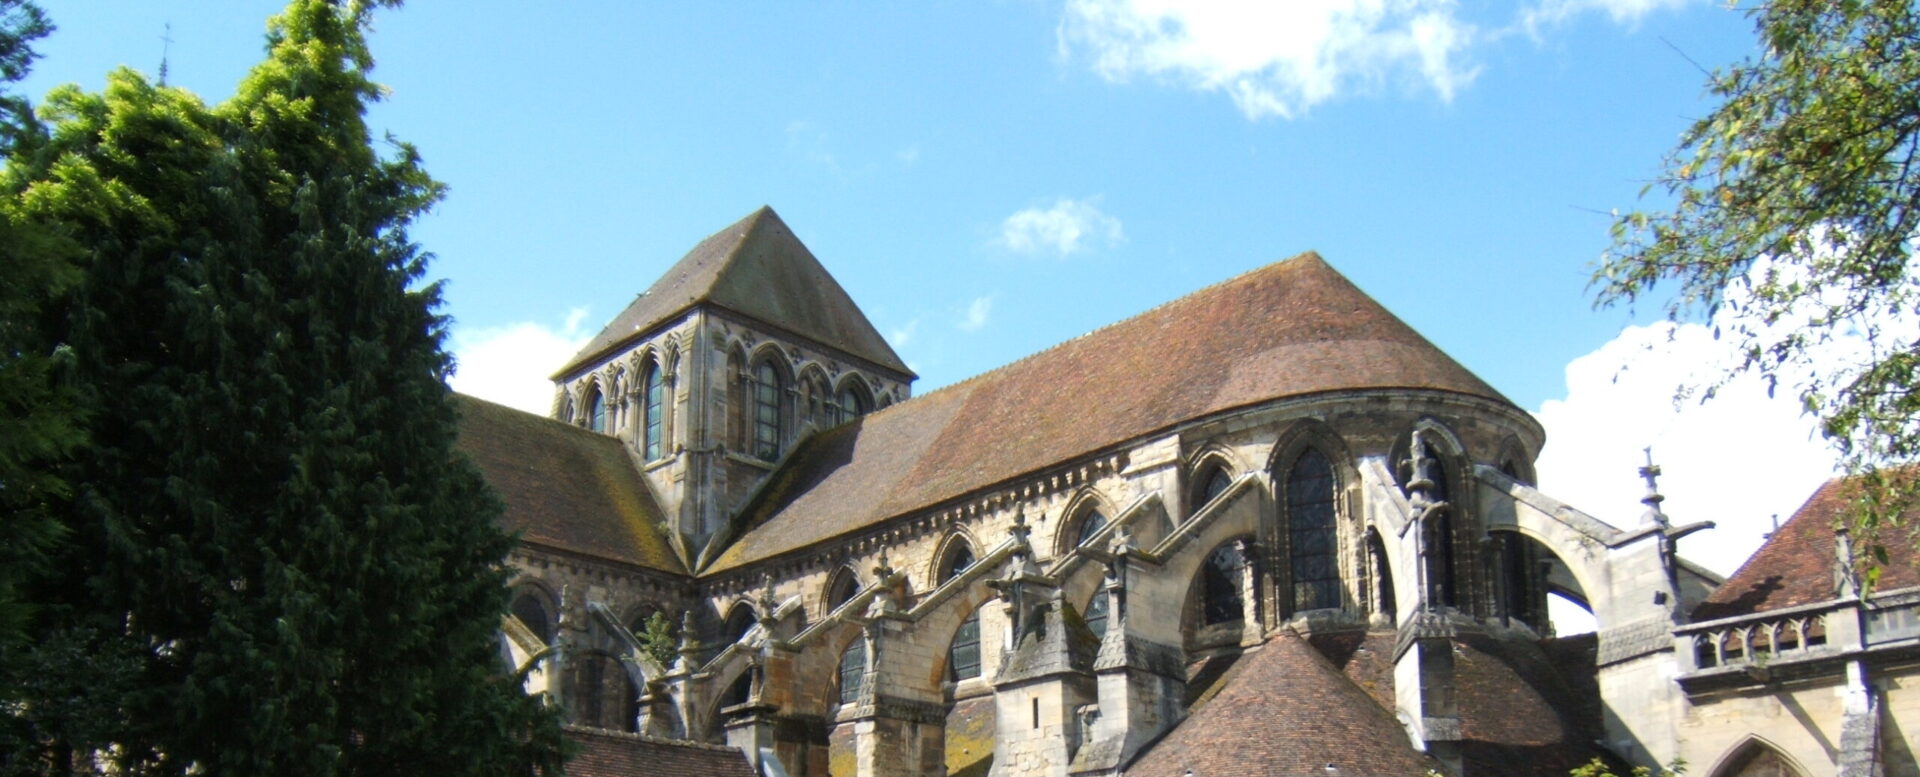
x,y
1285,711
1292,328
613,754
565,487
1796,565
758,268
1518,715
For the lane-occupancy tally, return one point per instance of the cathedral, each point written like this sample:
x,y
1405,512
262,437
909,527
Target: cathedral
x,y
1263,529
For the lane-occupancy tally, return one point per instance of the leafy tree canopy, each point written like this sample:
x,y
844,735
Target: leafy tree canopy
x,y
1794,209
275,561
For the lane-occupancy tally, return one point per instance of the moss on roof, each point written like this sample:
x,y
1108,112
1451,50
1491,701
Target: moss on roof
x,y
566,487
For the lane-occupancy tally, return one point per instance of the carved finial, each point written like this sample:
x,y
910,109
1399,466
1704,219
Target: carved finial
x,y
1019,530
1419,473
1651,473
767,601
1122,541
882,571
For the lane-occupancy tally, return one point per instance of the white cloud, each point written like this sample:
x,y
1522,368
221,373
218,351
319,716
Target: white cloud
x,y
1273,59
1626,12
1737,459
903,334
510,364
1067,227
977,314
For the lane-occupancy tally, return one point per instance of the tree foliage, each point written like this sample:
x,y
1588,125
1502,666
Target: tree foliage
x,y
276,562
1794,211
658,637
38,420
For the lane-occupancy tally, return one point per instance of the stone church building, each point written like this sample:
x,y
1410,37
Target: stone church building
x,y
1264,529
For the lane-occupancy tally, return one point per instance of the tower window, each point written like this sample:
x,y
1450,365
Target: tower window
x,y
766,411
1313,540
850,404
596,410
656,403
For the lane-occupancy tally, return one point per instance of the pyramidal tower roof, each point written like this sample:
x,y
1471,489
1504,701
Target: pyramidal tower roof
x,y
759,269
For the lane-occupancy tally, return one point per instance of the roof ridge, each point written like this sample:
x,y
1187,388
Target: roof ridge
x,y
575,428
1272,266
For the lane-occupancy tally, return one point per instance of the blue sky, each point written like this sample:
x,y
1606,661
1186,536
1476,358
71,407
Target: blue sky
x,y
990,178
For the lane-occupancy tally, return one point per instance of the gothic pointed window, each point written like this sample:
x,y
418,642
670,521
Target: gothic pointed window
x,y
1090,524
767,391
963,657
654,414
533,614
1220,597
596,410
959,557
1213,482
1313,541
740,619
1439,539
850,404
842,589
853,670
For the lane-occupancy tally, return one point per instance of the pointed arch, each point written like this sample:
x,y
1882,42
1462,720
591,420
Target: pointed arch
x,y
1448,468
956,553
852,399
1754,756
1208,476
1380,599
594,402
741,618
770,408
739,387
841,587
1313,534
654,405
1514,461
537,608
815,399
1307,499
1087,514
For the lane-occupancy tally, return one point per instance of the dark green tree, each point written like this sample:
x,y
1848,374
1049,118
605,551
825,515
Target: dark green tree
x,y
277,563
38,421
1795,206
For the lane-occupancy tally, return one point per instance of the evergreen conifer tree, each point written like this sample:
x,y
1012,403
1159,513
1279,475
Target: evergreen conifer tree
x,y
276,562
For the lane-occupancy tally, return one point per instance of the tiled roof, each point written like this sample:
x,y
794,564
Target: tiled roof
x,y
1285,711
613,754
1796,565
1292,328
1519,716
757,268
565,487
